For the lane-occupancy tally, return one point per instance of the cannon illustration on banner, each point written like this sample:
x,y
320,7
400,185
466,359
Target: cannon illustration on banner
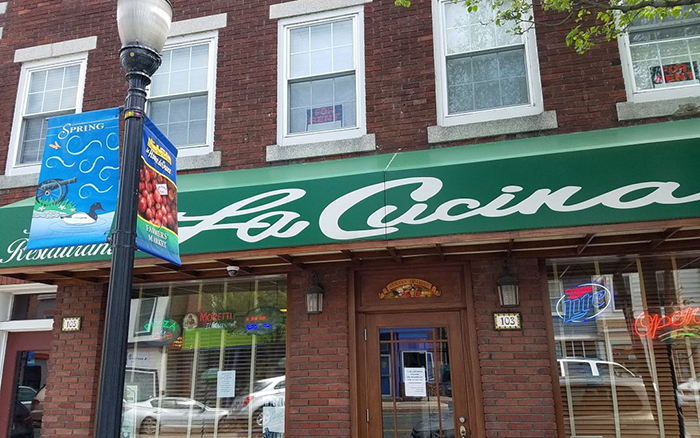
x,y
53,190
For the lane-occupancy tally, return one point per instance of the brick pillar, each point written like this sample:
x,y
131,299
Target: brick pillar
x,y
516,371
73,374
318,371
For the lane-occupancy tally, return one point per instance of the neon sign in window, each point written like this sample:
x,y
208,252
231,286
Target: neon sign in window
x,y
653,325
584,302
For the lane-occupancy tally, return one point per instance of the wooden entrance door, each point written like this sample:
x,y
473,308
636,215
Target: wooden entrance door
x,y
416,385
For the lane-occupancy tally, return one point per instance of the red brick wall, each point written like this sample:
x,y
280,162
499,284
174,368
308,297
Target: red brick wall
x,y
71,387
516,372
318,365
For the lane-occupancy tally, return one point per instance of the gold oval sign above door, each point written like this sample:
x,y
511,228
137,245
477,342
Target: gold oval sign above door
x,y
409,288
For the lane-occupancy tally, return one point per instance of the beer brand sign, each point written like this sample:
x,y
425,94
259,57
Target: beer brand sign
x,y
409,288
584,302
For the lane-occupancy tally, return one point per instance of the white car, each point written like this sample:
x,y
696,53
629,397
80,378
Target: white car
x,y
177,413
266,392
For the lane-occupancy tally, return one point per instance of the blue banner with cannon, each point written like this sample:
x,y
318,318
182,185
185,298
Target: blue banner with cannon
x,y
78,183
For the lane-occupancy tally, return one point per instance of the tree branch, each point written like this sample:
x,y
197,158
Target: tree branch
x,y
607,6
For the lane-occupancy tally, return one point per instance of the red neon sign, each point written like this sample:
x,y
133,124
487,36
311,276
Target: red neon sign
x,y
648,326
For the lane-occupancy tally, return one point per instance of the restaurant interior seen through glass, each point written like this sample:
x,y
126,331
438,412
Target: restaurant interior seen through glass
x,y
627,339
207,359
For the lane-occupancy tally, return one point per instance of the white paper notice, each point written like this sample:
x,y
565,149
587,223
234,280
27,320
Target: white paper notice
x,y
414,382
226,384
273,419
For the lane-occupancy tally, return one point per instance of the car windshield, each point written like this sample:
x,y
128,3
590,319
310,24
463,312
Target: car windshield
x,y
260,385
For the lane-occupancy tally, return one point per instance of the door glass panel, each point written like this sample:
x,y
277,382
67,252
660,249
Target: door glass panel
x,y
415,383
28,395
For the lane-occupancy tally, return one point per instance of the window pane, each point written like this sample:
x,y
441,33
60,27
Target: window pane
x,y
201,336
342,33
71,76
182,120
37,81
52,100
299,65
299,40
34,136
52,90
34,103
321,49
54,80
184,70
488,81
466,32
321,62
321,37
663,52
322,105
68,98
200,56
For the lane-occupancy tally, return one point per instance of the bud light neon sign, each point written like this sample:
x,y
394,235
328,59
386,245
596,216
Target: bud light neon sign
x,y
584,302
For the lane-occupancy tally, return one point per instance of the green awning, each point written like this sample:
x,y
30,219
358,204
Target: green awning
x,y
631,174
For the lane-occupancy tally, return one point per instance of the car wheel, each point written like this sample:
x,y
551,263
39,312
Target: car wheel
x,y
258,416
149,426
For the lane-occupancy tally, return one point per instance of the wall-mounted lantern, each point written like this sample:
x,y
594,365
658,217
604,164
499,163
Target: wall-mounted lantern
x,y
508,289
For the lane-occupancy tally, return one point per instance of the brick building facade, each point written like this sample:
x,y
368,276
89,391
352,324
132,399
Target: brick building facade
x,y
582,114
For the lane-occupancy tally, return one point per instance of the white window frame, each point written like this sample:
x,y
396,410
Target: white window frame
x,y
283,30
641,96
531,64
12,168
211,38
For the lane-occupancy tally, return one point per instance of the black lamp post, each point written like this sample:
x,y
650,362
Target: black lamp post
x,y
143,28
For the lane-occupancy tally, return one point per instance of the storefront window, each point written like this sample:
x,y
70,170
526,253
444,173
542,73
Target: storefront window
x,y
627,338
207,359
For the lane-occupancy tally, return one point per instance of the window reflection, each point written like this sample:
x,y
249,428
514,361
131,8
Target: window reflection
x,y
207,359
628,366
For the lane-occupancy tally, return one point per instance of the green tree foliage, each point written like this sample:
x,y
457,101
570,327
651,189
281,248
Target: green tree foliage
x,y
592,21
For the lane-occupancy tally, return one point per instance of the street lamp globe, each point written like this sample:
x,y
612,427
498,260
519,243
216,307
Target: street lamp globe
x,y
144,22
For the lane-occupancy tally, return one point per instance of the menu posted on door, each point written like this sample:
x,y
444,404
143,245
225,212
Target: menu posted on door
x,y
414,382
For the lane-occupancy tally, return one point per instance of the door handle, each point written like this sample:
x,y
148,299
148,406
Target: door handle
x,y
462,431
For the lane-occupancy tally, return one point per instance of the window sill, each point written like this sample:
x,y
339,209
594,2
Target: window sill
x,y
205,161
15,181
321,149
515,125
659,108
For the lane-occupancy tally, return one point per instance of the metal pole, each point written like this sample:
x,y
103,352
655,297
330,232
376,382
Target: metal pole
x,y
139,62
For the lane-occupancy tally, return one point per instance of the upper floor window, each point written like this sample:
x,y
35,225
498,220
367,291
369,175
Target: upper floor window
x,y
181,95
47,88
484,72
661,58
321,92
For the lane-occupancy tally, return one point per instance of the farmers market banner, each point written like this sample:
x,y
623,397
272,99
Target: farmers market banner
x,y
78,183
156,226
631,174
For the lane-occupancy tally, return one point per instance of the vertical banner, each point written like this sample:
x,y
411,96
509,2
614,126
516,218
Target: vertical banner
x,y
156,222
79,179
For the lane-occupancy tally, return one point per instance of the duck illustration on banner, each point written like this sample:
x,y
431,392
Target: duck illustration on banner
x,y
77,192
